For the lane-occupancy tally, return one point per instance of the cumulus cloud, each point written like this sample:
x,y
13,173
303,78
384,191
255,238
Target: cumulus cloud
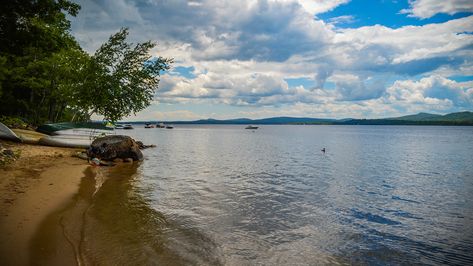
x,y
242,53
354,88
317,6
430,93
407,50
428,8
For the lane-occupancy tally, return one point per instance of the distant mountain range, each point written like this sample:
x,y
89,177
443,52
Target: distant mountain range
x,y
460,118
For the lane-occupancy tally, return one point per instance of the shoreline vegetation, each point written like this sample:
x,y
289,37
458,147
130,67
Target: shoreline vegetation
x,y
47,77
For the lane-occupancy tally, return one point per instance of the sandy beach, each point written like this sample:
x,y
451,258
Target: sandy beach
x,y
42,181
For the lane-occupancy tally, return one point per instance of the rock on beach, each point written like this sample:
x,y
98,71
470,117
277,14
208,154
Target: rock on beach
x,y
112,147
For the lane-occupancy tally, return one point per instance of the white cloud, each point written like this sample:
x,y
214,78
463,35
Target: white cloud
x,y
316,6
428,8
342,20
243,51
430,93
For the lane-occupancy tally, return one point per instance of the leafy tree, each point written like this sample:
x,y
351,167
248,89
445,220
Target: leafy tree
x,y
46,76
121,78
31,32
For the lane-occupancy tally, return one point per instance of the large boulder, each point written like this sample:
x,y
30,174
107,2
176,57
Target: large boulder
x,y
115,146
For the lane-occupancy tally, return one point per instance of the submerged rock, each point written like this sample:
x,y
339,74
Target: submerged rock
x,y
116,146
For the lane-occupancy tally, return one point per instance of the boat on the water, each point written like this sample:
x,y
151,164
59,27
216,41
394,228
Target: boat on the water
x,y
169,127
251,127
149,125
118,126
160,125
127,126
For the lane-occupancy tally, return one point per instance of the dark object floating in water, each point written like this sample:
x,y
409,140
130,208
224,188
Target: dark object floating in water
x,y
144,146
251,127
148,125
127,126
323,150
169,127
109,148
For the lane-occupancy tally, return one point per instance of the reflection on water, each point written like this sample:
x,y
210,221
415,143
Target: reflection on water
x,y
110,224
224,195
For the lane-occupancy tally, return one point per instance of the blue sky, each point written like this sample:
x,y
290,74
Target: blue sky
x,y
305,58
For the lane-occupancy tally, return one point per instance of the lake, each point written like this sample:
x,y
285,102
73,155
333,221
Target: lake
x,y
211,195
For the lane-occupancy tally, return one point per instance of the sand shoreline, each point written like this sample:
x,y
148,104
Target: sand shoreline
x,y
42,181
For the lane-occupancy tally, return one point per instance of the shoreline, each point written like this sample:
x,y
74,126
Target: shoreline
x,y
41,182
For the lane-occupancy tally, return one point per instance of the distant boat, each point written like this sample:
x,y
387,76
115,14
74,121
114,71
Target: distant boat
x,y
251,127
160,125
118,126
169,127
148,125
127,126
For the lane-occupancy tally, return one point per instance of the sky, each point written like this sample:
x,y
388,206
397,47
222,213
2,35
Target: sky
x,y
300,58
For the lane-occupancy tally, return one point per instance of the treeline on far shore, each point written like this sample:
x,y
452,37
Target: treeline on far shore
x,y
401,122
453,119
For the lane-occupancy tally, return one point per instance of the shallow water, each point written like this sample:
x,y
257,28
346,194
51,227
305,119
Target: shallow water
x,y
214,195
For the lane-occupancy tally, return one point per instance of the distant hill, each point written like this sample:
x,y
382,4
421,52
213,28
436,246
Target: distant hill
x,y
264,121
460,118
417,117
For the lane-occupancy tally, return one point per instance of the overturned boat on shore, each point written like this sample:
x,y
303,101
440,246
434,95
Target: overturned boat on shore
x,y
7,133
66,141
52,129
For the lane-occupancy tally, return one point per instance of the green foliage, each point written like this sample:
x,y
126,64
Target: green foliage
x,y
121,78
46,76
13,122
32,33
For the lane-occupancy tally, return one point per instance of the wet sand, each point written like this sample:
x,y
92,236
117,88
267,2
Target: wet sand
x,y
42,181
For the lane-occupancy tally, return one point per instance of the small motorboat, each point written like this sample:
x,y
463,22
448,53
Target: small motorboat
x,y
251,127
160,125
169,127
118,126
148,125
127,126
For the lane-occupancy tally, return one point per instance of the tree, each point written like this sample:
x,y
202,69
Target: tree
x,y
46,76
121,78
31,33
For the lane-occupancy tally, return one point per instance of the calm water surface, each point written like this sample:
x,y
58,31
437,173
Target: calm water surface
x,y
224,195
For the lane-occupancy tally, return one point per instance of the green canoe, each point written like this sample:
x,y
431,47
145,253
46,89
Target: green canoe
x,y
51,128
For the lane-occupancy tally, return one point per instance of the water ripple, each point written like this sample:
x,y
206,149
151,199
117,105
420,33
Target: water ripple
x,y
380,195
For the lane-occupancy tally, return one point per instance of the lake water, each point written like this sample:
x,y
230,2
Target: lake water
x,y
211,195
